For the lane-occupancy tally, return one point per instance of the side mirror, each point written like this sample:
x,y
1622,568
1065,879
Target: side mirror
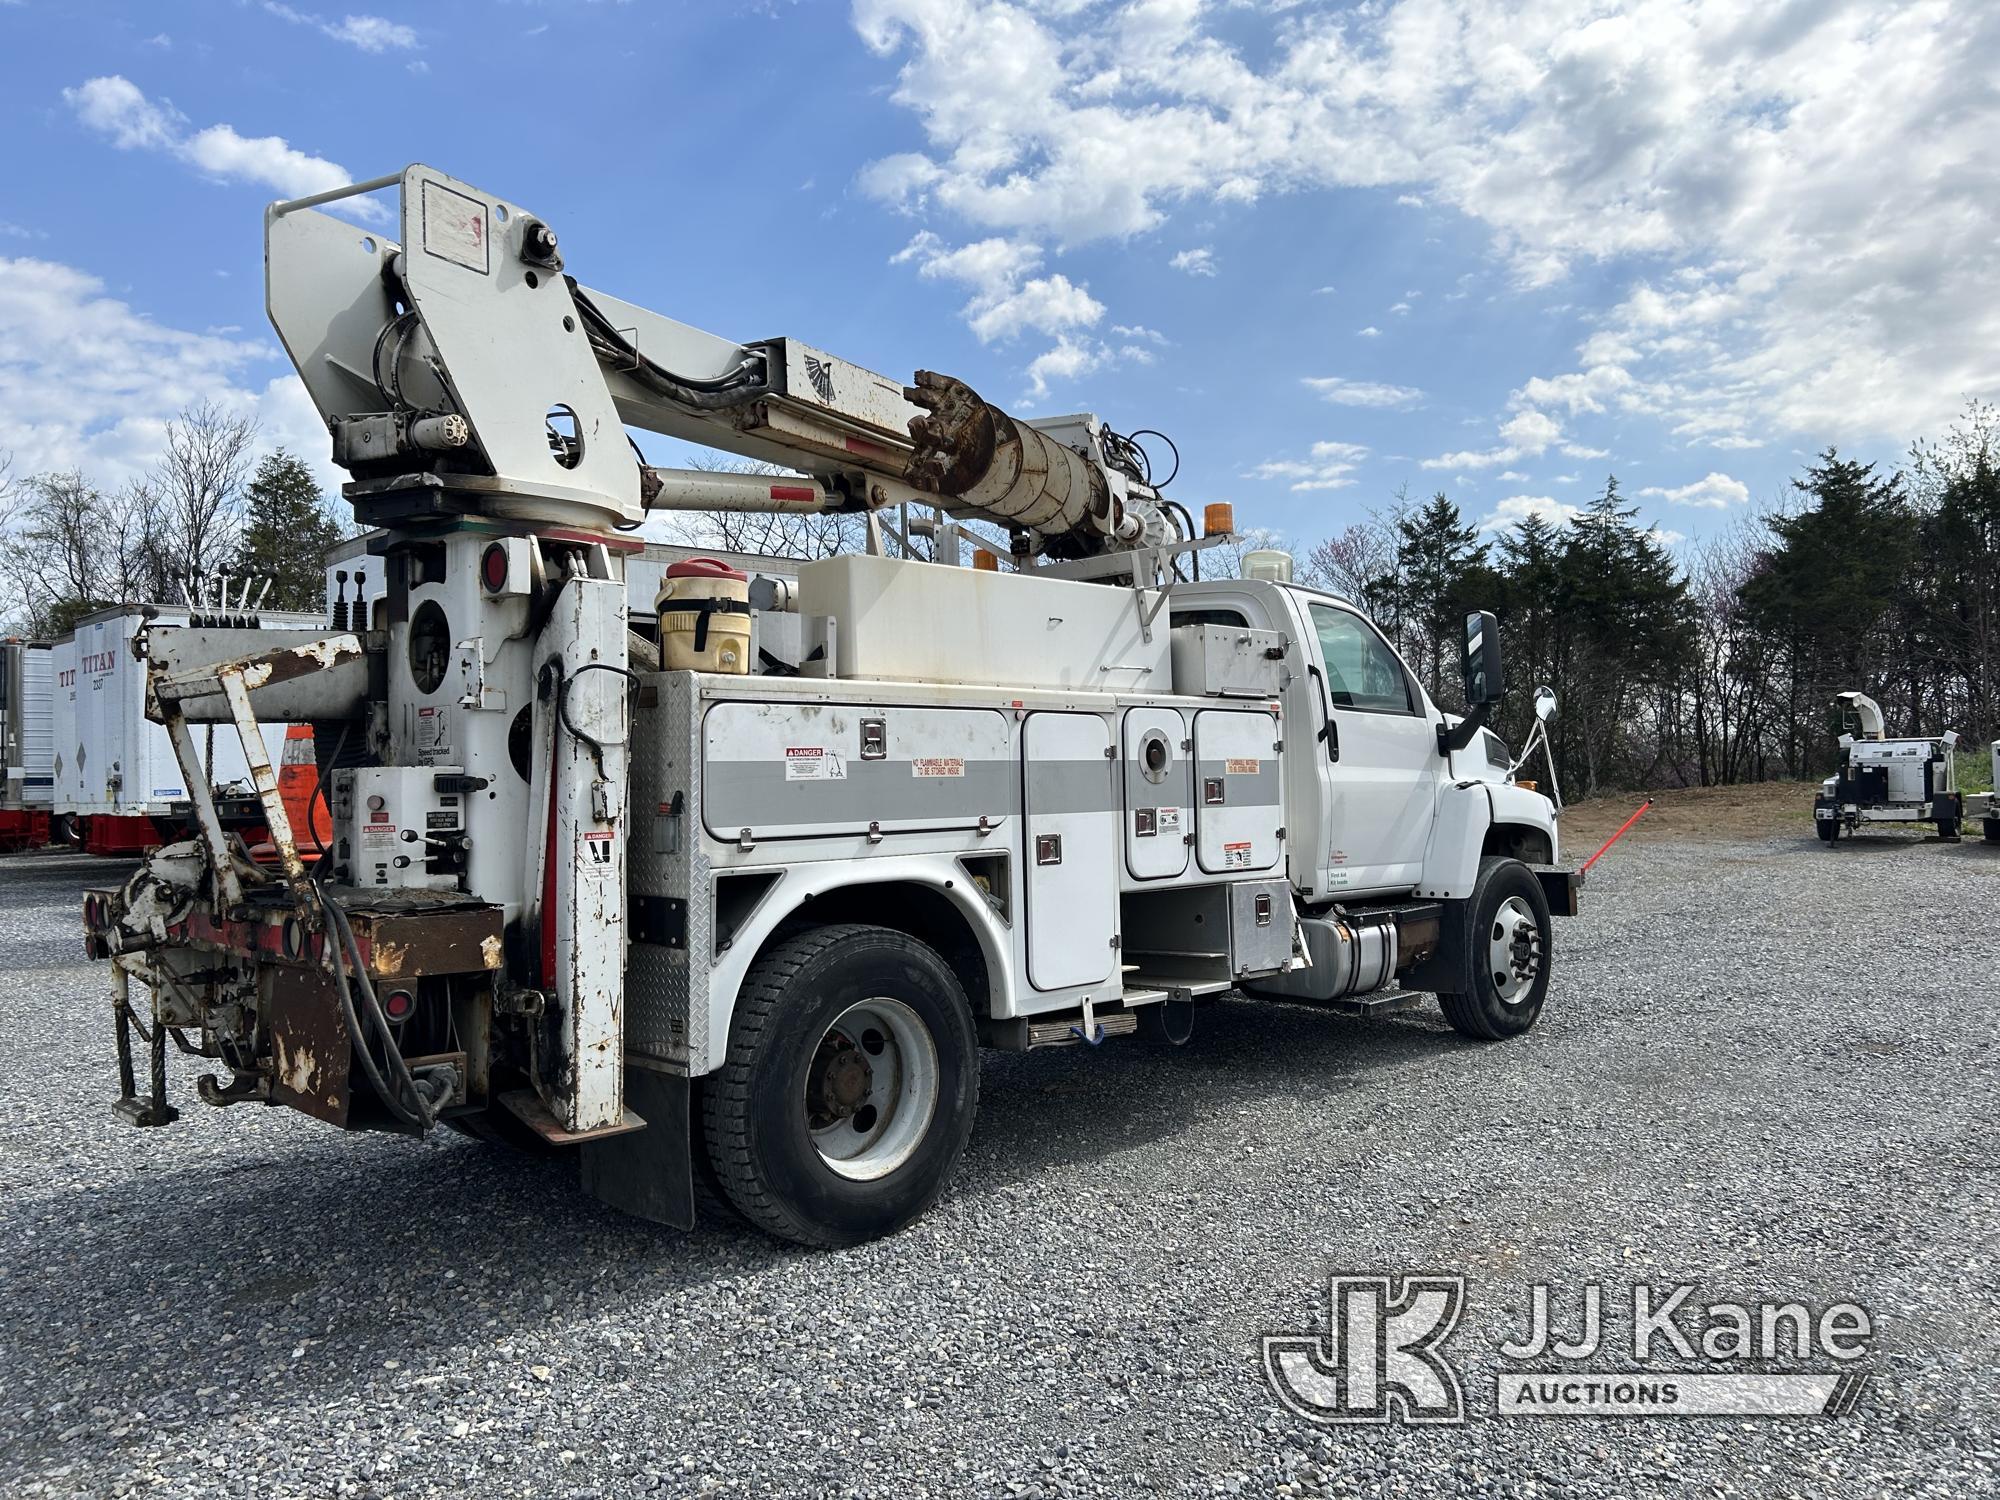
x,y
1485,671
1545,703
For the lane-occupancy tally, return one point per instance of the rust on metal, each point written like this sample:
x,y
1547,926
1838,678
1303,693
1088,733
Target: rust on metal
x,y
526,1106
409,945
956,442
310,1046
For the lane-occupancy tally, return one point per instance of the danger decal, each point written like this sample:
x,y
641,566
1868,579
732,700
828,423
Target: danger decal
x,y
944,765
813,763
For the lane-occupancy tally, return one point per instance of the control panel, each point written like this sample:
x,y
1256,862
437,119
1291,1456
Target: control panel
x,y
401,826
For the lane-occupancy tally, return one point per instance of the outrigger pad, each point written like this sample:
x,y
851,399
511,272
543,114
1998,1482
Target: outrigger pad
x,y
145,1113
648,1173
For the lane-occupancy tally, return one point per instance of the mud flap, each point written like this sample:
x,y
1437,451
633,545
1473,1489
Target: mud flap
x,y
647,1173
1560,888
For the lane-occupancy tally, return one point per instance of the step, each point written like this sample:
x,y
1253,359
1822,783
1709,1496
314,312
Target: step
x,y
1381,1003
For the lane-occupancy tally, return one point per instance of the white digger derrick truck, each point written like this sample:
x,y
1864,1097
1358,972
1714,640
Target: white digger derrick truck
x,y
740,905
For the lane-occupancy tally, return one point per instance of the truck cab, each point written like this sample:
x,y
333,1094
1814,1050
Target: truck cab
x,y
1381,810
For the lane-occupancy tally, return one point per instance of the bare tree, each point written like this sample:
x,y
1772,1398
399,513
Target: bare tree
x,y
1356,562
198,486
56,556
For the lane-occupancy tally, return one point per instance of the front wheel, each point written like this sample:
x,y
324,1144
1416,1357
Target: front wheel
x,y
1504,956
849,1089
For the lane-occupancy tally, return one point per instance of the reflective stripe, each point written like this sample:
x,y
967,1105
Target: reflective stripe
x,y
755,794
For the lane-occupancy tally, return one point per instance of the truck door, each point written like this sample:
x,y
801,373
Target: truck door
x,y
1071,849
1378,799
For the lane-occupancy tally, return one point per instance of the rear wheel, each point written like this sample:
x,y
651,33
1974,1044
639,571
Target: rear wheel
x,y
1991,827
1828,829
1504,956
850,1086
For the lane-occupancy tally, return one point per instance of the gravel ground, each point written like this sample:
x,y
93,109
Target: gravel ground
x,y
1767,1068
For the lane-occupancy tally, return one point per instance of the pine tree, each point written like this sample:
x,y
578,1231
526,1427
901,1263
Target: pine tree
x,y
1441,564
1824,591
1624,617
287,533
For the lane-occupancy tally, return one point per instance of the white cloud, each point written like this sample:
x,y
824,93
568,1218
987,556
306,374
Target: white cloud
x,y
369,33
1370,332
87,382
1527,434
1141,332
1711,492
1786,262
1400,308
1515,509
1006,301
1068,360
1199,261
116,108
1330,466
1343,392
1510,476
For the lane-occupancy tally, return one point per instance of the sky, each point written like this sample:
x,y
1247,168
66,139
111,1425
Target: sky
x,y
1501,250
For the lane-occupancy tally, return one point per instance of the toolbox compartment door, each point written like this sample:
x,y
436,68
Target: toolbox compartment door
x,y
1239,808
1159,817
1070,849
820,770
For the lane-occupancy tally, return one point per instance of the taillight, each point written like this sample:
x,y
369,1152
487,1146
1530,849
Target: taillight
x,y
399,1005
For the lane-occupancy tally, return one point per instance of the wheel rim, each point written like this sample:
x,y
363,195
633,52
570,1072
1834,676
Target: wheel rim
x,y
871,1089
1514,950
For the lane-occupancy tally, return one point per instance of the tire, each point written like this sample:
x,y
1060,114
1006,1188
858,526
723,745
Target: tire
x,y
1828,829
1506,907
887,1118
1948,829
1990,827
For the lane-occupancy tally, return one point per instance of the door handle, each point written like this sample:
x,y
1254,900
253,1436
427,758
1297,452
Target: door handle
x,y
1329,731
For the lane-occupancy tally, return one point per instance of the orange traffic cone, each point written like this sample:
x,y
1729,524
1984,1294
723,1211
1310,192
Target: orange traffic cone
x,y
298,775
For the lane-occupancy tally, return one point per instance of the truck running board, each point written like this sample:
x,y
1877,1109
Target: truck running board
x,y
1067,1031
1382,1003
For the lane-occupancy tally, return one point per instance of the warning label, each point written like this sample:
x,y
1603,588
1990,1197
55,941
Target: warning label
x,y
455,228
1170,820
1236,856
433,735
949,765
813,763
1243,767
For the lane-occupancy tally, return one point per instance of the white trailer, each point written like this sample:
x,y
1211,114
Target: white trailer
x,y
117,786
27,745
752,926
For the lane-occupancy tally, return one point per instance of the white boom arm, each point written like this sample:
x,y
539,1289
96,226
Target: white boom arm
x,y
463,358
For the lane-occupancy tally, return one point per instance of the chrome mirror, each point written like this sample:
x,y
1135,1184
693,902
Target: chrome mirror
x,y
1545,703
